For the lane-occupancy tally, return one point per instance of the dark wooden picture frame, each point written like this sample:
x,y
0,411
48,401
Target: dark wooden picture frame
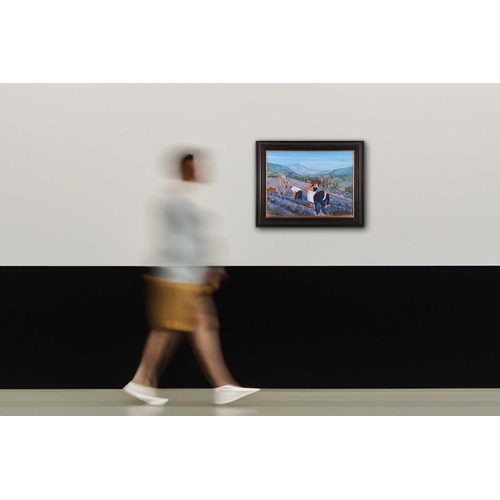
x,y
276,203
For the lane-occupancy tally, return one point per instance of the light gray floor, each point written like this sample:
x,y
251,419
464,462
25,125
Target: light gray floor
x,y
266,402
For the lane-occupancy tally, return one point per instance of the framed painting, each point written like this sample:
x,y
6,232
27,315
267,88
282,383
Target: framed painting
x,y
310,183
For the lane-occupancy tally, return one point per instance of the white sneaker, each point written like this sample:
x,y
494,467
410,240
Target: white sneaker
x,y
230,393
147,394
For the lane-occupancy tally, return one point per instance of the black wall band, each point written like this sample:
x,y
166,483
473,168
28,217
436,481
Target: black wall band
x,y
281,327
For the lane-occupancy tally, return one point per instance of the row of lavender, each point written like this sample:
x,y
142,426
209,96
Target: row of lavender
x,y
285,206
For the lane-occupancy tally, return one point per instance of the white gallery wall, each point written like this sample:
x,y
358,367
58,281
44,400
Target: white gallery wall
x,y
79,165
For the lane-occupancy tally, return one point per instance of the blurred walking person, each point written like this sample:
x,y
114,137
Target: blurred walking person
x,y
179,297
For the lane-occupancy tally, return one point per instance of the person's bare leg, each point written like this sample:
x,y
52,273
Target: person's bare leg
x,y
205,341
158,350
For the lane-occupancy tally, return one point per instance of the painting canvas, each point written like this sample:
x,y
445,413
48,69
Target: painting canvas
x,y
309,183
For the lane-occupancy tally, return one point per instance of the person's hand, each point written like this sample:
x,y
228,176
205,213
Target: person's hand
x,y
214,278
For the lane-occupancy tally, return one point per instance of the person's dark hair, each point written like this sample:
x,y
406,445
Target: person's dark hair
x,y
187,168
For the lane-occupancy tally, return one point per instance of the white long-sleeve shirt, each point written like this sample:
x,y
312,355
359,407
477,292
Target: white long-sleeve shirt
x,y
183,243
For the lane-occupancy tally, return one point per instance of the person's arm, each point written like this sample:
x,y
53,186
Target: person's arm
x,y
215,276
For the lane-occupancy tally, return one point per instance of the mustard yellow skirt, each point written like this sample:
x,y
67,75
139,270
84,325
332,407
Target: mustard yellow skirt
x,y
174,306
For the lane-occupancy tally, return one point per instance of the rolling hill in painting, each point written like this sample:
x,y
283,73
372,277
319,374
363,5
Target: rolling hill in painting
x,y
302,173
273,169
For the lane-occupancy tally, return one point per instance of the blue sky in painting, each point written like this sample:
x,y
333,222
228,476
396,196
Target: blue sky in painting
x,y
321,161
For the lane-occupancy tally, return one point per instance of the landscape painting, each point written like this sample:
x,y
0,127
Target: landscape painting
x,y
306,184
